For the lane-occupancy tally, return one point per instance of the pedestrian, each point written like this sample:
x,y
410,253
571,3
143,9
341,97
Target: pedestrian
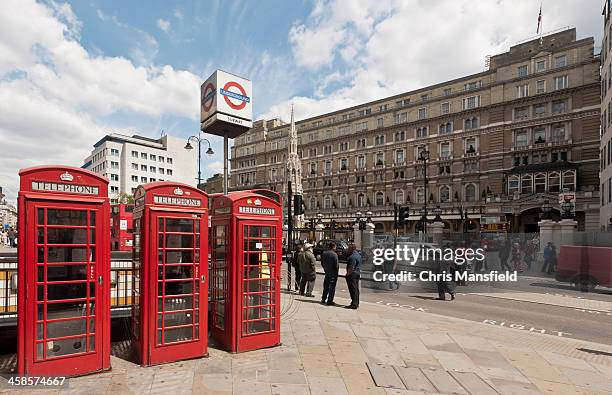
x,y
11,235
329,261
504,254
550,258
353,273
528,256
517,257
307,263
445,268
295,264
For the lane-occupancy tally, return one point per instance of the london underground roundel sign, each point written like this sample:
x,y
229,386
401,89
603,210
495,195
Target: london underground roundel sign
x,y
208,96
236,100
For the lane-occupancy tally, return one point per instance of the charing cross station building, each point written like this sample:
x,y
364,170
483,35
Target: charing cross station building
x,y
501,142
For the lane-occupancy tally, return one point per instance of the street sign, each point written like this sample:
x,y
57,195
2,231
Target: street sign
x,y
226,105
567,196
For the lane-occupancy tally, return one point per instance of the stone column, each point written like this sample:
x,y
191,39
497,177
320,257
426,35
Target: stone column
x,y
368,236
436,229
319,231
547,227
357,235
567,227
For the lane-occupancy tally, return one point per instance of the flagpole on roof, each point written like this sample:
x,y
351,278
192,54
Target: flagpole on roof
x,y
540,29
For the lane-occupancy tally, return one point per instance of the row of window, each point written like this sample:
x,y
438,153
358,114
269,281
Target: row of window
x,y
470,194
606,191
559,82
539,135
606,155
152,157
540,157
541,65
554,182
152,169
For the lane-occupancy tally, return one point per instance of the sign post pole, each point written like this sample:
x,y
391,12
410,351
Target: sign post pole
x,y
225,159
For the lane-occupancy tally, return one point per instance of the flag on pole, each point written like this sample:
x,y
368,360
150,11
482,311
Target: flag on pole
x,y
539,20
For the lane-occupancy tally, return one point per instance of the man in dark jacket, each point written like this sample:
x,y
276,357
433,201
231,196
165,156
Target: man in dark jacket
x,y
445,268
307,263
329,261
353,273
296,266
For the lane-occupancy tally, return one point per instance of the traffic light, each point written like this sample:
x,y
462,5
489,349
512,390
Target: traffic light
x,y
403,215
298,208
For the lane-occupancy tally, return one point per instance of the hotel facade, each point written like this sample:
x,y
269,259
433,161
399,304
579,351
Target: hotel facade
x,y
501,143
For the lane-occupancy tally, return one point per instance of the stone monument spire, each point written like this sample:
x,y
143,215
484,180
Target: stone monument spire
x,y
294,166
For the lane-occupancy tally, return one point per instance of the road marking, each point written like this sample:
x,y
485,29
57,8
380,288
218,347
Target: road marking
x,y
526,328
594,312
402,306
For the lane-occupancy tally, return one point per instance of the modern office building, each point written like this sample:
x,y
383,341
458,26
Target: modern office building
x,y
501,143
129,161
605,175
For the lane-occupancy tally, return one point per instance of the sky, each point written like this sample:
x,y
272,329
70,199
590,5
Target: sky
x,y
71,72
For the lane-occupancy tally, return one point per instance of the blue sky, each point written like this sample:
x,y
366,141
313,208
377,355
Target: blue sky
x,y
73,71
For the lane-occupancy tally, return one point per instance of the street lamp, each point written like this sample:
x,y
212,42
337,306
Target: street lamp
x,y
424,157
546,209
209,152
437,211
567,207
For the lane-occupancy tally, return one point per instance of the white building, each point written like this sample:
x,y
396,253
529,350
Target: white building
x,y
605,175
8,214
129,161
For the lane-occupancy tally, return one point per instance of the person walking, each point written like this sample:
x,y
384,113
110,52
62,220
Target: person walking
x,y
11,235
329,261
307,263
296,265
353,273
504,254
550,258
445,268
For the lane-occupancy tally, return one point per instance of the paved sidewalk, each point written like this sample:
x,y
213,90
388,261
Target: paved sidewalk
x,y
375,350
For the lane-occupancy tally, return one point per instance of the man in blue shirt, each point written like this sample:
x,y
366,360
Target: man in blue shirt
x,y
353,273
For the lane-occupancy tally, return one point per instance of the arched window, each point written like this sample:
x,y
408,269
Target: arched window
x,y
312,203
361,200
526,184
380,199
343,201
420,195
444,194
442,128
474,122
554,182
513,184
569,179
539,182
449,127
470,193
327,202
468,124
399,196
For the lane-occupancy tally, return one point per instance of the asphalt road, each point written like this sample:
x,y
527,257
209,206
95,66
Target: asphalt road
x,y
594,326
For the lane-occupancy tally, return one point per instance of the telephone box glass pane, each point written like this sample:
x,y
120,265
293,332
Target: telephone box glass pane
x,y
177,256
67,237
258,287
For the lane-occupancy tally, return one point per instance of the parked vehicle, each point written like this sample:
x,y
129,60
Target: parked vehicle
x,y
323,245
585,267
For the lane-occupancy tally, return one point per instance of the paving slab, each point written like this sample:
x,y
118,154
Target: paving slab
x,y
290,389
588,380
327,385
473,383
385,376
381,351
358,380
348,352
443,381
287,377
414,379
508,387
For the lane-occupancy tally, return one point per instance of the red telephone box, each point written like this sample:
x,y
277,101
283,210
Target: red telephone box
x,y
64,272
170,258
246,250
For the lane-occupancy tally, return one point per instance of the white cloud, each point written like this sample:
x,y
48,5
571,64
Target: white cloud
x,y
54,95
385,47
164,25
178,14
215,167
